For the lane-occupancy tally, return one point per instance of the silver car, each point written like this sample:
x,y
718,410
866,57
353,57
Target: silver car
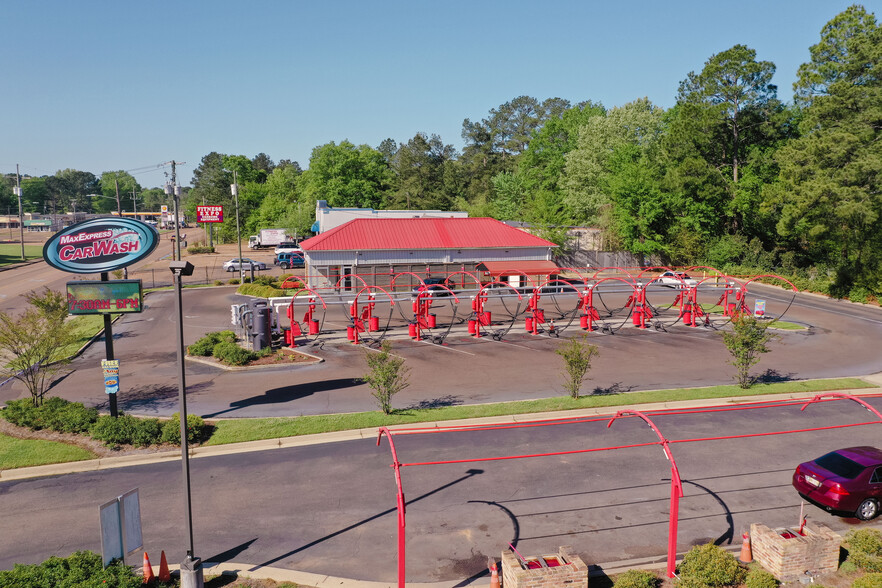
x,y
246,263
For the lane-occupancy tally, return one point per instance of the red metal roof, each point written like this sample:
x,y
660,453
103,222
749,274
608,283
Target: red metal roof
x,y
422,233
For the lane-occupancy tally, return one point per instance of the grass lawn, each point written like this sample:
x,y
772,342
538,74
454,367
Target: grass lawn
x,y
239,430
11,252
85,327
19,453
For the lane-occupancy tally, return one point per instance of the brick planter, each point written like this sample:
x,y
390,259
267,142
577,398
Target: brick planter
x,y
571,573
816,551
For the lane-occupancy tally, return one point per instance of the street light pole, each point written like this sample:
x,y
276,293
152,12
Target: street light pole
x,y
191,568
235,189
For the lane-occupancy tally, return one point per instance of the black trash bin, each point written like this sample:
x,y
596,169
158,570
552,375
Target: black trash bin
x,y
261,330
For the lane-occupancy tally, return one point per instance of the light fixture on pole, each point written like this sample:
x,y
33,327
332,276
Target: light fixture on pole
x,y
234,188
191,567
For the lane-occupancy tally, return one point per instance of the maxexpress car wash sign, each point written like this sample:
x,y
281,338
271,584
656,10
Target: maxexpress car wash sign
x,y
100,245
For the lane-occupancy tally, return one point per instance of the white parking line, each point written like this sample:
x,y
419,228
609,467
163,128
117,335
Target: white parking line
x,y
445,348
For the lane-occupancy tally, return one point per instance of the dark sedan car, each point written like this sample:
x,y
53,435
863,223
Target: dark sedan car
x,y
846,481
436,286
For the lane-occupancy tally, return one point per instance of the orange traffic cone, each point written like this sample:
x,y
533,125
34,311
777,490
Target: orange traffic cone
x,y
164,574
148,570
746,554
494,576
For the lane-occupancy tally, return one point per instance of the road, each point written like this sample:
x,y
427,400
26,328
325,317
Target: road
x,y
330,509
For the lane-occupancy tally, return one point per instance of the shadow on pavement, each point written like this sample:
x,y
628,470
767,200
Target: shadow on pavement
x,y
617,388
448,400
468,474
231,553
289,393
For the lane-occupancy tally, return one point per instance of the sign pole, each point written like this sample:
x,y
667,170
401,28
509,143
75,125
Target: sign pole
x,y
108,349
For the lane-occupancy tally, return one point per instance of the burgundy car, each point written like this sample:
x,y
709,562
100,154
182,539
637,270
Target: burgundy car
x,y
846,481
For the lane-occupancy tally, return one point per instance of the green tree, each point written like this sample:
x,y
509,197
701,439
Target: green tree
x,y
577,355
830,187
346,175
732,84
80,185
263,165
510,195
34,190
31,344
211,185
8,200
542,164
747,340
107,202
420,166
636,123
387,375
494,144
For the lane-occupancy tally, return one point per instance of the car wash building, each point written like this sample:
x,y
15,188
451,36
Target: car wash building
x,y
378,249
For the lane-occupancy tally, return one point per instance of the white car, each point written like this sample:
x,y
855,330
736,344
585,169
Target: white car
x,y
288,247
233,264
672,278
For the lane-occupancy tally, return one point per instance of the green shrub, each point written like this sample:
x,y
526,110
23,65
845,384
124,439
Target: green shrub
x,y
126,430
56,414
200,249
637,579
865,561
859,294
22,413
760,578
265,280
148,432
205,346
234,281
218,283
867,541
865,549
869,581
68,417
709,566
232,354
82,569
197,430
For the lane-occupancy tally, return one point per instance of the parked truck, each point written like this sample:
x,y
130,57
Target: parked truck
x,y
267,238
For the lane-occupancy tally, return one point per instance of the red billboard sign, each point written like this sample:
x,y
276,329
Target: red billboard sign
x,y
209,213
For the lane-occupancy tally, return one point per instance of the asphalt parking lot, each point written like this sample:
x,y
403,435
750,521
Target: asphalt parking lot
x,y
463,370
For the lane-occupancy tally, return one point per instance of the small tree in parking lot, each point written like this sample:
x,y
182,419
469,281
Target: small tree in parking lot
x,y
31,344
577,355
387,375
746,341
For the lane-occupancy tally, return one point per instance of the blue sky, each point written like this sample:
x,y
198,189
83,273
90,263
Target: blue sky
x,y
108,85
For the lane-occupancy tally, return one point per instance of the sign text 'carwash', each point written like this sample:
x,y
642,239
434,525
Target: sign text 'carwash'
x,y
100,245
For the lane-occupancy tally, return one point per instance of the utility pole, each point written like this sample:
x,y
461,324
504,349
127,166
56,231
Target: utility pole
x,y
177,195
134,204
175,191
20,210
118,206
235,189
